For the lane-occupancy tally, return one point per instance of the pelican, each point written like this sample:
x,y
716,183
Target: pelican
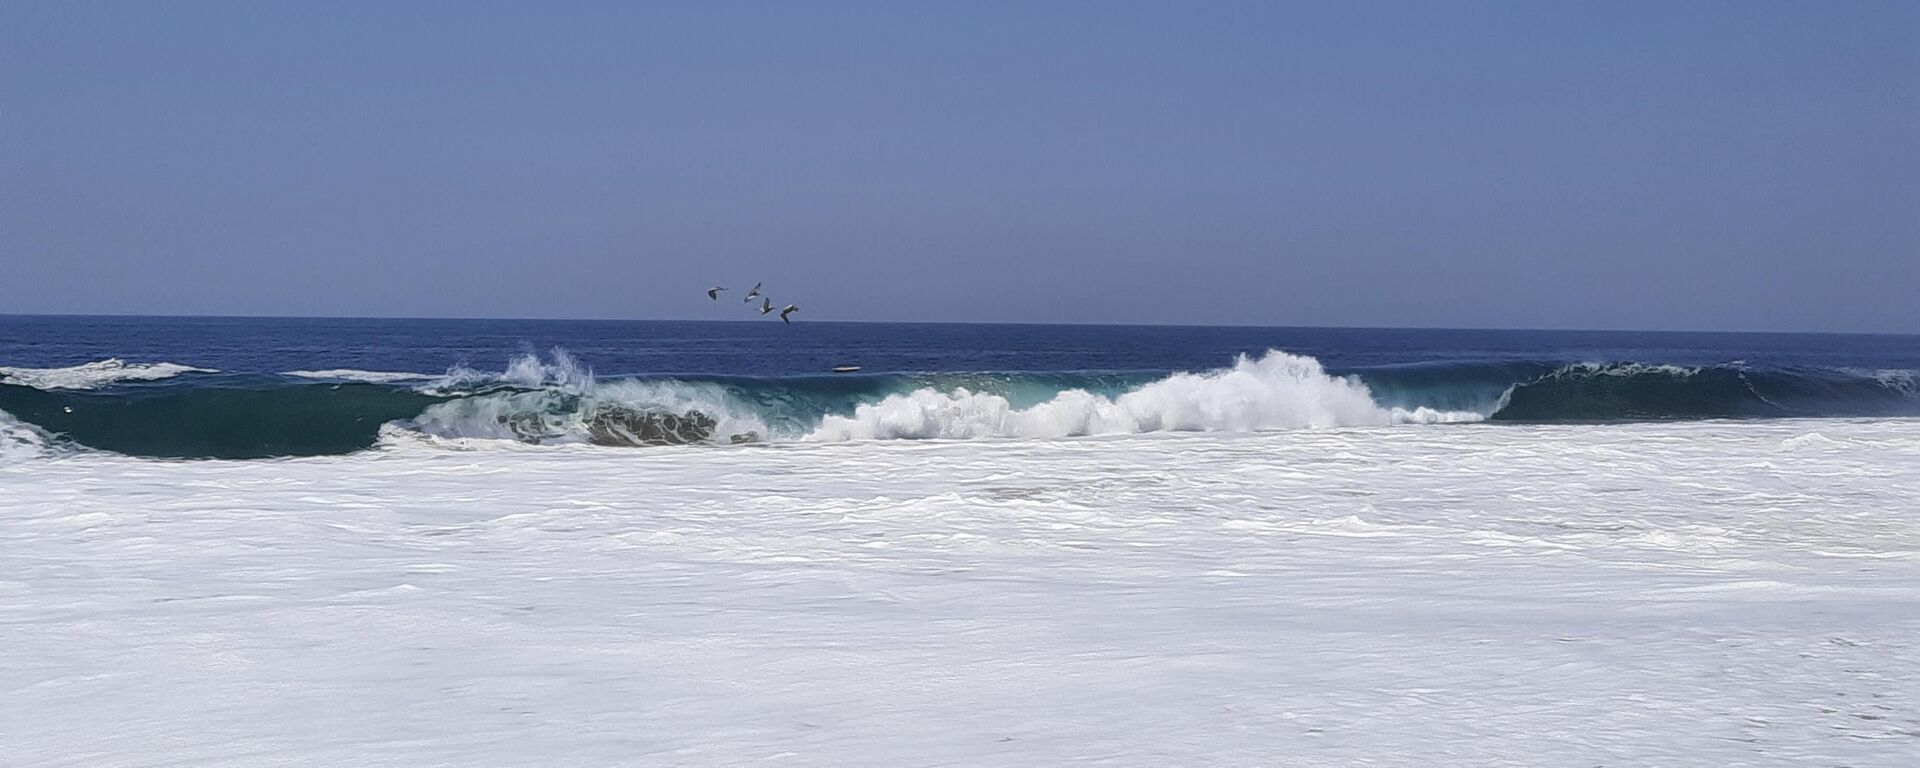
x,y
790,309
767,307
714,292
753,293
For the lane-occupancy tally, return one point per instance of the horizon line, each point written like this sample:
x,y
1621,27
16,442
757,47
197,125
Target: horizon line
x,y
183,316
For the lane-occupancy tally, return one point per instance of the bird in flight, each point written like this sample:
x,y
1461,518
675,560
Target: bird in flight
x,y
714,292
753,293
790,309
767,307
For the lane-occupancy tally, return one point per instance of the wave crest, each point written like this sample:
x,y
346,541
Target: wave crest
x,y
1273,392
1623,370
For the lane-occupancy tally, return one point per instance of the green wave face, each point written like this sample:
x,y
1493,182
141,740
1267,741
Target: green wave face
x,y
217,422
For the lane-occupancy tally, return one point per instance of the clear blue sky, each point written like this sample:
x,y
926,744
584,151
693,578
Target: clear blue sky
x,y
1685,165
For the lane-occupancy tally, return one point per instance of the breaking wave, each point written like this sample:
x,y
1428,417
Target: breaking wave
x,y
142,410
1273,392
619,413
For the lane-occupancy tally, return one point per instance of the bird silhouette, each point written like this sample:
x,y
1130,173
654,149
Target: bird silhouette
x,y
714,292
753,293
767,307
790,309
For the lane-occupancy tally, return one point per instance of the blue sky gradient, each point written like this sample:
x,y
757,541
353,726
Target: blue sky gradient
x,y
1691,165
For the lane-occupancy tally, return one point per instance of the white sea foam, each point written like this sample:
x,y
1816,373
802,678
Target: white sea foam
x,y
1672,594
20,440
371,377
95,374
1272,392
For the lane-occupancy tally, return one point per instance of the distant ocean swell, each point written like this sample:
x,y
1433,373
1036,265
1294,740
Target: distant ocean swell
x,y
178,411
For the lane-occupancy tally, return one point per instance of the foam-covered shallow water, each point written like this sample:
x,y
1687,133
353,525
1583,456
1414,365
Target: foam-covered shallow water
x,y
1668,593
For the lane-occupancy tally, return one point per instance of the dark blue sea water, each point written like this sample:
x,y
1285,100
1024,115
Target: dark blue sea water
x,y
654,382
269,345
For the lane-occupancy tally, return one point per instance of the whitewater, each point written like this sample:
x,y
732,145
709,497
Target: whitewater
x,y
1685,593
558,403
1272,392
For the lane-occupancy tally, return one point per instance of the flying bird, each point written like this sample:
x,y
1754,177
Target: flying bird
x,y
753,293
714,292
788,311
767,307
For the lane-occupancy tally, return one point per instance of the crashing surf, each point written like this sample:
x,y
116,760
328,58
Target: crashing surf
x,y
143,410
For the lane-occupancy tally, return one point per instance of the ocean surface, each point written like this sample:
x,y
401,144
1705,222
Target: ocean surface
x,y
246,388
287,542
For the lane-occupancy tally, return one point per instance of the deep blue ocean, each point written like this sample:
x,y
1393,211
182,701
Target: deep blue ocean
x,y
300,386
